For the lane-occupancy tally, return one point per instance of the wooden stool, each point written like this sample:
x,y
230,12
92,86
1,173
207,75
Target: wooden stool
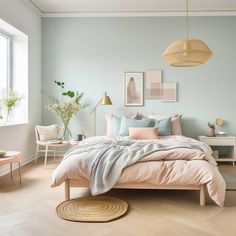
x,y
10,158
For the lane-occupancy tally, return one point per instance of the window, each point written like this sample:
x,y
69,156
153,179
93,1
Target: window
x,y
13,75
4,64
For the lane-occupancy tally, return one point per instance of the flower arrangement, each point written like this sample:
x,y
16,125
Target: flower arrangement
x,y
218,122
11,102
212,126
67,106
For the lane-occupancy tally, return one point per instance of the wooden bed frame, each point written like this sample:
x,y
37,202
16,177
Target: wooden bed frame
x,y
69,183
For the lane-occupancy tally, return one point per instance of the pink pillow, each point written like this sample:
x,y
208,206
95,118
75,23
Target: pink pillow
x,y
176,127
143,133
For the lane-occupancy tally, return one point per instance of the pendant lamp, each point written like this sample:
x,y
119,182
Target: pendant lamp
x,y
187,52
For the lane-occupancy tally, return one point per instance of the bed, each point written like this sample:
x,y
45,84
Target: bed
x,y
171,162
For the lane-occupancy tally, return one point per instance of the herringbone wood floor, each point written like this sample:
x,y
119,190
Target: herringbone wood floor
x,y
29,210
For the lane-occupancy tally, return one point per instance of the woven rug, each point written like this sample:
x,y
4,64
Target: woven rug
x,y
92,209
230,181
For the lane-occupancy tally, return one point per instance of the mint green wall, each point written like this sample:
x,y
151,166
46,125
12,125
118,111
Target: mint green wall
x,y
91,54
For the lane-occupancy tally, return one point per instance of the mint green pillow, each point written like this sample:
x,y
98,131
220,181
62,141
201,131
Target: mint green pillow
x,y
125,124
116,124
164,127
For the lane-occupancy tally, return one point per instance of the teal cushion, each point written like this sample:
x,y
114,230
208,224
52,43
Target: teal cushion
x,y
125,124
164,127
116,124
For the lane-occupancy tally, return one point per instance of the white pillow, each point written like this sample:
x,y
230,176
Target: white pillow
x,y
47,132
109,125
176,127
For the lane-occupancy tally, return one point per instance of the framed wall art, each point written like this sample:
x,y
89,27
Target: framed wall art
x,y
169,92
134,88
153,84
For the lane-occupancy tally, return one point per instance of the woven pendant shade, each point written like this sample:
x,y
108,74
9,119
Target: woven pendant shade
x,y
187,53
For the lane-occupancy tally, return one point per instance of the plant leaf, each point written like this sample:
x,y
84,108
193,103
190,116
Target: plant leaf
x,y
71,94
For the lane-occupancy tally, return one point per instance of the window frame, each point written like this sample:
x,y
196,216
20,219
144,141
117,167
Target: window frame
x,y
9,60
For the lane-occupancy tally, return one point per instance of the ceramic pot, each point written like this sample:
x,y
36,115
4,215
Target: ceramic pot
x,y
211,132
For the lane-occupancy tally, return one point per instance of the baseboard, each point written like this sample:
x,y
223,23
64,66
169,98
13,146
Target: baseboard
x,y
6,169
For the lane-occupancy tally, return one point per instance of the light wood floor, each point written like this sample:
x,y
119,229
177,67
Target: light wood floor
x,y
29,210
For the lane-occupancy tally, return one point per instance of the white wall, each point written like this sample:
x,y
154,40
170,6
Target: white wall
x,y
21,137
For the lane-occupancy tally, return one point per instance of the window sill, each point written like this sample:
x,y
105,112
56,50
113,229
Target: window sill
x,y
15,124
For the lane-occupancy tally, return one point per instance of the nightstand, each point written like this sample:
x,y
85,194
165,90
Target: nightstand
x,y
228,142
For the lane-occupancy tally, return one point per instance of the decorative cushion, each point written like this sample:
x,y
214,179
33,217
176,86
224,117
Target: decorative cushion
x,y
113,125
47,132
164,127
116,124
137,116
128,123
176,127
143,133
109,124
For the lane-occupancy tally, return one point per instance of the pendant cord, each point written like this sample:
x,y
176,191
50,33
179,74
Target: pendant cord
x,y
187,23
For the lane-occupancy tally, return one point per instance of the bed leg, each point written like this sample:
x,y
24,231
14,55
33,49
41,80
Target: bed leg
x,y
67,190
202,195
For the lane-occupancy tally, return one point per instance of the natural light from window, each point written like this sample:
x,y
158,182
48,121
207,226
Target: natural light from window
x,y
4,41
13,75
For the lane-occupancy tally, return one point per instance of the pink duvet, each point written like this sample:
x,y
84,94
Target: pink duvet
x,y
180,166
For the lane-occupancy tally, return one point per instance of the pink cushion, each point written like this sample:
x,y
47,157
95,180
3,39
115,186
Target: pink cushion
x,y
176,128
143,133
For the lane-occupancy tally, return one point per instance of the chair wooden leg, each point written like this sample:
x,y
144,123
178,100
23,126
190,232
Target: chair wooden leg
x,y
54,152
37,153
202,195
46,156
19,168
67,190
11,170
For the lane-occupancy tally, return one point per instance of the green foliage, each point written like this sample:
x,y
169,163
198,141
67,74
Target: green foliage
x,y
13,100
211,125
66,109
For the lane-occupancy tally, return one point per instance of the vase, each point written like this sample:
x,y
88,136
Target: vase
x,y
211,132
66,134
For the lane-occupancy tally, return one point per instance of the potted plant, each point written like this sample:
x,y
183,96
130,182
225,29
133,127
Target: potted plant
x,y
67,106
212,127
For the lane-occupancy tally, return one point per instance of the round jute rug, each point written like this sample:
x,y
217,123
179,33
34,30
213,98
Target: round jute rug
x,y
92,209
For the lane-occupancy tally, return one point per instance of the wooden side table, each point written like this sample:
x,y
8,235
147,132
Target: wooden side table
x,y
222,141
12,157
74,143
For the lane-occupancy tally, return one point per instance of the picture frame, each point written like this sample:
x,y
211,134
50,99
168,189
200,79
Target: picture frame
x,y
169,92
134,89
153,81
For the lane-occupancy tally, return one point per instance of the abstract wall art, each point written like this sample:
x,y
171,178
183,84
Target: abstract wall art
x,y
153,84
169,92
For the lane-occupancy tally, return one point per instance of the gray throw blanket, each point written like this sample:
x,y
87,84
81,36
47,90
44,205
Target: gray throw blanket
x,y
107,159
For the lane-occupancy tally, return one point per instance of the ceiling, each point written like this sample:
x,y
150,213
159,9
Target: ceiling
x,y
137,7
